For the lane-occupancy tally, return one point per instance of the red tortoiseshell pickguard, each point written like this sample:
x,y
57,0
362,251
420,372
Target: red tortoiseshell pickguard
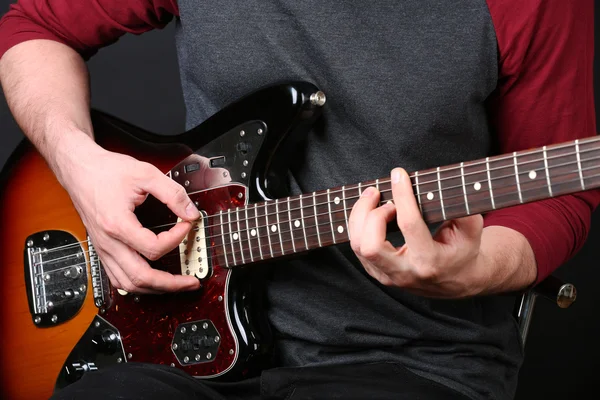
x,y
147,322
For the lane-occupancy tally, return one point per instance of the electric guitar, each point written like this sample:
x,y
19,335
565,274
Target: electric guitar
x,y
61,318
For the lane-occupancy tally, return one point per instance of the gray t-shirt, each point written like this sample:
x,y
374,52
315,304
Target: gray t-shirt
x,y
406,83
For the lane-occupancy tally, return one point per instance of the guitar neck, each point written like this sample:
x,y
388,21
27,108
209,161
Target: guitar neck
x,y
282,227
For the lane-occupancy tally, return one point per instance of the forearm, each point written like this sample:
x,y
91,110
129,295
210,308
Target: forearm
x,y
47,89
506,262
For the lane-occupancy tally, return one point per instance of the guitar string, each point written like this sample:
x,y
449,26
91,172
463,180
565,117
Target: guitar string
x,y
248,239
420,184
385,181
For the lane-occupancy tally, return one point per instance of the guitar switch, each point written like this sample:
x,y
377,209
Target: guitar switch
x,y
77,369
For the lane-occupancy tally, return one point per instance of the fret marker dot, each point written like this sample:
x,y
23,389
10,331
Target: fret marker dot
x,y
336,200
477,186
429,196
235,236
253,232
297,224
274,228
532,174
340,229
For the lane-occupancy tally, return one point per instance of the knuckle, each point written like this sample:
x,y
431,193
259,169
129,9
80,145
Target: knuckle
x,y
110,225
178,193
128,287
139,281
355,245
152,254
427,273
370,252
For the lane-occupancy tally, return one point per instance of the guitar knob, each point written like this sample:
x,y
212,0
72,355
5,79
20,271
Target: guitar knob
x,y
106,342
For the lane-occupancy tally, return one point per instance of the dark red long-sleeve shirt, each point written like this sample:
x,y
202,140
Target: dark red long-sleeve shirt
x,y
544,95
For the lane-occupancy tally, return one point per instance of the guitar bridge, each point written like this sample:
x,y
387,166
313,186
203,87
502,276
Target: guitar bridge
x,y
56,274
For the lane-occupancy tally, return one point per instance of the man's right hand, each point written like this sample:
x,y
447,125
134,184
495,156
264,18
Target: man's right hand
x,y
106,188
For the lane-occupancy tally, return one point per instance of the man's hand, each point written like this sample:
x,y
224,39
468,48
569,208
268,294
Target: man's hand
x,y
461,259
105,188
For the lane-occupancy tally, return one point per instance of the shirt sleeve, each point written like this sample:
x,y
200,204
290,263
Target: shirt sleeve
x,y
545,95
84,25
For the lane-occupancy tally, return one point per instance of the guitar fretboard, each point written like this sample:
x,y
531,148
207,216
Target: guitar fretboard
x,y
282,227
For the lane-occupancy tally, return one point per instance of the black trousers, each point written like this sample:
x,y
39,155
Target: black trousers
x,y
361,381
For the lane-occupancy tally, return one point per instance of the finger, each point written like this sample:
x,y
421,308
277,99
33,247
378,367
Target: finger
x,y
471,226
140,277
131,232
120,280
111,277
170,193
373,246
367,202
409,219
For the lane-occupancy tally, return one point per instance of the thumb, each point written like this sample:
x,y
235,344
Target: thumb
x,y
172,194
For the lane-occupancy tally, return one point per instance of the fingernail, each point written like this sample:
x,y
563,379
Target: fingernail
x,y
192,211
396,175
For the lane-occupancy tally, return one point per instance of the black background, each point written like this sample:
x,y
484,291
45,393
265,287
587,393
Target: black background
x,y
137,79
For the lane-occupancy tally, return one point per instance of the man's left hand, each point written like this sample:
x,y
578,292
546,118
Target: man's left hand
x,y
459,260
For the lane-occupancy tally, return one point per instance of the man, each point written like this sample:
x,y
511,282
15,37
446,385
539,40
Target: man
x,y
412,83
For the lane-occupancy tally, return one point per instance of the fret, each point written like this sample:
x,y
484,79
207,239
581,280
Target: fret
x,y
297,223
386,191
452,192
359,189
590,167
339,220
547,171
502,177
316,220
440,193
239,233
290,222
279,226
487,167
287,240
223,239
267,229
477,186
258,230
345,210
323,217
310,228
302,223
231,236
464,186
517,177
563,169
579,164
377,184
531,176
330,216
418,191
248,222
428,195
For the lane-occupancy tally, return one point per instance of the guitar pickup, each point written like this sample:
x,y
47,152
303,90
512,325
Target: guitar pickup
x,y
191,168
217,162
